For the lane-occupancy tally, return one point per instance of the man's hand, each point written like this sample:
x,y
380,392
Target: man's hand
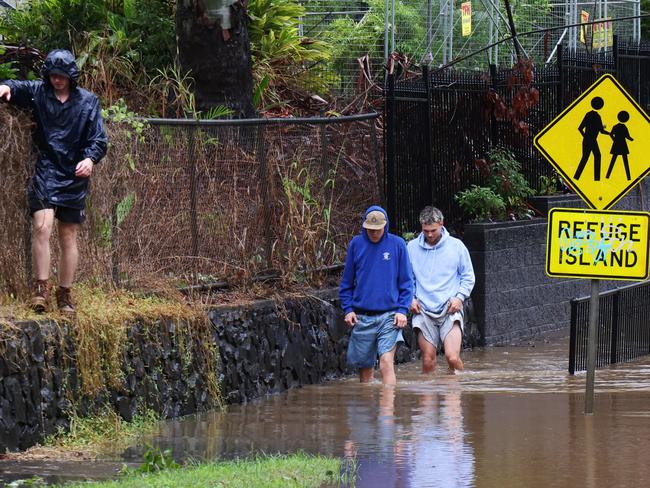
x,y
351,319
84,168
415,306
400,320
455,305
5,92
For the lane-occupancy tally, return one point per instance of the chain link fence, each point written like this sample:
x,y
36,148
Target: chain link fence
x,y
193,202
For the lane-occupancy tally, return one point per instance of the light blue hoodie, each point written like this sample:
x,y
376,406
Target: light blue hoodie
x,y
441,271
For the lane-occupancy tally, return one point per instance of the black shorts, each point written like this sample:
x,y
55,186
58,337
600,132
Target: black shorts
x,y
66,215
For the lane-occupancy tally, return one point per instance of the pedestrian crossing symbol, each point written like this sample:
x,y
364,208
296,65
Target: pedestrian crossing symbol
x,y
600,144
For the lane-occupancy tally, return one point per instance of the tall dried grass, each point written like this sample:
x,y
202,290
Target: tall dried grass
x,y
188,205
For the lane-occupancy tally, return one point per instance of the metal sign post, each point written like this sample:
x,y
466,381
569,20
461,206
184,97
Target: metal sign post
x,y
598,244
592,338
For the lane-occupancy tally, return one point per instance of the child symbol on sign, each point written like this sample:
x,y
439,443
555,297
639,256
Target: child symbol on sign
x,y
620,136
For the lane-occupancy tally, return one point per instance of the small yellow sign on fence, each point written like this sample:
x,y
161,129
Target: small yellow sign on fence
x,y
466,18
597,244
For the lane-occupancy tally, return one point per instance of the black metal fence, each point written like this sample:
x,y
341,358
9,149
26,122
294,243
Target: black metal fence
x,y
623,328
440,124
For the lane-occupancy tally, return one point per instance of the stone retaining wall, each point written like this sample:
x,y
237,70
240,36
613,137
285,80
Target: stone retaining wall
x,y
39,379
264,347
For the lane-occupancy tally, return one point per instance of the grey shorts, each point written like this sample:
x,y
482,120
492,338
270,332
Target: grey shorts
x,y
435,327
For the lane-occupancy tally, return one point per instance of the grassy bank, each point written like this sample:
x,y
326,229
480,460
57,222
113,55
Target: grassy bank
x,y
296,470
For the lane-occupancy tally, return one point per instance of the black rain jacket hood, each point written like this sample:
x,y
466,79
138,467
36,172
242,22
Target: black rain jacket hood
x,y
60,62
66,133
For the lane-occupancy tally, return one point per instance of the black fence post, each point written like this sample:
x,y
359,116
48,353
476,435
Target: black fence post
x,y
615,55
390,150
613,353
573,336
429,135
374,141
494,130
560,84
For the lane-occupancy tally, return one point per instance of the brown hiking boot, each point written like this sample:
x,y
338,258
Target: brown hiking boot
x,y
64,300
41,296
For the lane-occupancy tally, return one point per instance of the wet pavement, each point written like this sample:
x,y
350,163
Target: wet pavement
x,y
514,418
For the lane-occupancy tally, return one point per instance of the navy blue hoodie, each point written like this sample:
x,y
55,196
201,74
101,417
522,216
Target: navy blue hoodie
x,y
66,133
377,277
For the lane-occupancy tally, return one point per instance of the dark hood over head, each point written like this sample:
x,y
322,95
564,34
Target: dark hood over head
x,y
60,61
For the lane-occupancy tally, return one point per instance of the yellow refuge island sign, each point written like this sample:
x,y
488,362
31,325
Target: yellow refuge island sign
x,y
600,143
597,244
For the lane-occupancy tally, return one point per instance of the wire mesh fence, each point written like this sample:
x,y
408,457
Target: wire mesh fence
x,y
202,201
436,32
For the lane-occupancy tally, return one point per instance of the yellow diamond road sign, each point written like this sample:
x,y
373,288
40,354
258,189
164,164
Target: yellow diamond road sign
x,y
600,144
597,244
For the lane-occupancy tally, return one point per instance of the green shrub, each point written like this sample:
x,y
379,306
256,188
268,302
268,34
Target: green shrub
x,y
481,203
505,195
282,59
7,72
506,179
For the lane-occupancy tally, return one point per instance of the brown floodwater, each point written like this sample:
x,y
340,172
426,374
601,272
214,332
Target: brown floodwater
x,y
513,418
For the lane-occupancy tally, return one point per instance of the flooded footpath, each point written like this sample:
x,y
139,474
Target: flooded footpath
x,y
513,418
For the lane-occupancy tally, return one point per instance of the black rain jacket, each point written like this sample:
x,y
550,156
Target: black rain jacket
x,y
66,133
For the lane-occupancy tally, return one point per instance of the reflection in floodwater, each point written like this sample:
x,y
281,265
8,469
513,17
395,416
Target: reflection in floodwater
x,y
513,418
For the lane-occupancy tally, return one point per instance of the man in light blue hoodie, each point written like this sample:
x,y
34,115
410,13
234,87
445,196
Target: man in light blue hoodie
x,y
376,291
443,279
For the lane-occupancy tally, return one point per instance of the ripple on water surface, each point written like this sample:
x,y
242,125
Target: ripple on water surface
x,y
513,418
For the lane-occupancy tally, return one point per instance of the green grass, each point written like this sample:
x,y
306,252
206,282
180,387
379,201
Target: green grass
x,y
92,434
297,470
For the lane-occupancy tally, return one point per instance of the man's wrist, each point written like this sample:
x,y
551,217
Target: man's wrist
x,y
460,296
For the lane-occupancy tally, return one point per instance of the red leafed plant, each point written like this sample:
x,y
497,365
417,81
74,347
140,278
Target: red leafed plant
x,y
524,97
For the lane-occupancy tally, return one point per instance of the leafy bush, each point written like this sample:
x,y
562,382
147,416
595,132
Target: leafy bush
x,y
352,37
7,72
548,186
506,192
506,179
283,61
481,203
118,44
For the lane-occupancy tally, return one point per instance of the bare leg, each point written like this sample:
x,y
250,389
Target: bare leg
x,y
428,354
387,367
452,348
42,224
365,375
69,253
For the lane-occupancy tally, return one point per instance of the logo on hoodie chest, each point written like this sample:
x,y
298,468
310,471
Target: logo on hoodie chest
x,y
385,256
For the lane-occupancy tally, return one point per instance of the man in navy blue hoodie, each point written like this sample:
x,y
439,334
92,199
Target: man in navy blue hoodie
x,y
376,290
71,140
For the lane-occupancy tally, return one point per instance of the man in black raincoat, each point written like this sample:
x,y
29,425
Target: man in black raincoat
x,y
70,139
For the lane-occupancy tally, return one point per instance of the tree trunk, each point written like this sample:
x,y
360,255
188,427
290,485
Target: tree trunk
x,y
218,58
